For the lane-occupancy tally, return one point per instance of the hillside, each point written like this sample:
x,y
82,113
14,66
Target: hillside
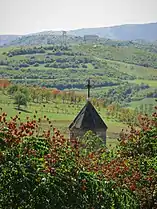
x,y
120,73
146,32
134,32
44,38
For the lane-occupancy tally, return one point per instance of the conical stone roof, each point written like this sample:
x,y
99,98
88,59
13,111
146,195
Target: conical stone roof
x,y
88,118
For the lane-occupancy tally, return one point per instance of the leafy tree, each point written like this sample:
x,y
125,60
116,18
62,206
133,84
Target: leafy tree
x,y
12,89
25,91
91,142
47,95
21,99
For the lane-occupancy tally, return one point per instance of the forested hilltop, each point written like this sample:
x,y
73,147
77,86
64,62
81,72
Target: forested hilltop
x,y
126,71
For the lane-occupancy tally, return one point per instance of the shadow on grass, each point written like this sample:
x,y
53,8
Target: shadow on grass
x,y
22,110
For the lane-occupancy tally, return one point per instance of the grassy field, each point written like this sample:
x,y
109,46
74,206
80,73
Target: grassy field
x,y
146,101
151,83
138,71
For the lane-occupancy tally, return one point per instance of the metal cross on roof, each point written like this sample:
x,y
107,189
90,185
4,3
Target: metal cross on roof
x,y
89,87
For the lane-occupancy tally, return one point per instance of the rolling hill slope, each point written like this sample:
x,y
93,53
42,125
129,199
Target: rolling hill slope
x,y
124,74
146,32
140,32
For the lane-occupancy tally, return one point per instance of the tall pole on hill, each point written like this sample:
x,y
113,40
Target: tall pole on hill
x,y
64,33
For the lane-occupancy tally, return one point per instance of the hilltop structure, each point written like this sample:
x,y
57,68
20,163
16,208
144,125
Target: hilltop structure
x,y
88,119
91,38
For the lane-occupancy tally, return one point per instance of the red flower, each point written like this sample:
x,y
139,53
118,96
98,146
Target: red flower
x,y
132,187
48,156
84,188
149,179
83,180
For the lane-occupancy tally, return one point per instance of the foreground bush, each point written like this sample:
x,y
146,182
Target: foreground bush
x,y
42,169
